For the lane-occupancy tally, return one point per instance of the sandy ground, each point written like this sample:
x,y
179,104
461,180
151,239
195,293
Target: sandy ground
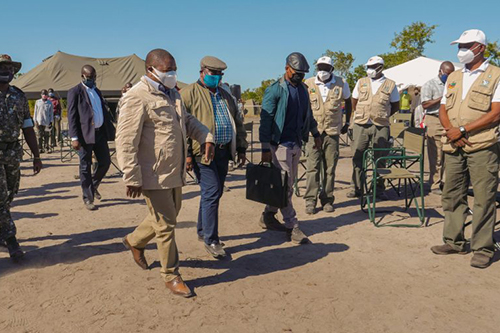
x,y
353,277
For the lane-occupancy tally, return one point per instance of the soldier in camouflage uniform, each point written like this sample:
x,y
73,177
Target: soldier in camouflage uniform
x,y
14,116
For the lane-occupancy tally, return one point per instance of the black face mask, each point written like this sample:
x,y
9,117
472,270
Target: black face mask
x,y
297,78
88,82
6,76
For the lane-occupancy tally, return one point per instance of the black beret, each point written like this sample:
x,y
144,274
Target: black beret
x,y
298,62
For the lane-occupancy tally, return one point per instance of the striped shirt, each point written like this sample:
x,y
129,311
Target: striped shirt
x,y
223,126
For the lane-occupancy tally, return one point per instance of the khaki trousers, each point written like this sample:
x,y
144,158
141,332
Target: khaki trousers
x,y
435,132
365,136
481,169
321,165
287,158
163,206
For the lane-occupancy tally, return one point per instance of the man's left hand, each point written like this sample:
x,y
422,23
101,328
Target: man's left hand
x,y
453,134
242,159
318,143
209,151
344,129
37,165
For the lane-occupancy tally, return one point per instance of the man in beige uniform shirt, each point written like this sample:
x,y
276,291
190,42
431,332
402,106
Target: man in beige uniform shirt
x,y
327,93
374,99
470,114
152,148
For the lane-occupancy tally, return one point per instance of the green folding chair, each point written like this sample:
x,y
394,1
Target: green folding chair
x,y
394,168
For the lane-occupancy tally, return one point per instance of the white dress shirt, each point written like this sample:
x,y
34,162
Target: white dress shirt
x,y
376,84
469,77
324,88
96,102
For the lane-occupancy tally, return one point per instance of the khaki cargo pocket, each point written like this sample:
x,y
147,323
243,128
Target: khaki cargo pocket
x,y
450,100
314,102
480,100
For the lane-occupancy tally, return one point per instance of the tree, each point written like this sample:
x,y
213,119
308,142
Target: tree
x,y
353,76
493,53
342,62
17,75
257,94
409,43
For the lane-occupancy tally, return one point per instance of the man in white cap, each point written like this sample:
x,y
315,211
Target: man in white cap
x,y
327,94
374,99
470,114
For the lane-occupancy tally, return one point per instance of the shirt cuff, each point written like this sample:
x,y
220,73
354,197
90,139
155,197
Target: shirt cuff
x,y
27,123
74,139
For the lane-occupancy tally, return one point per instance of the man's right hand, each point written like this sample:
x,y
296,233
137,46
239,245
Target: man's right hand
x,y
267,157
134,191
75,144
189,163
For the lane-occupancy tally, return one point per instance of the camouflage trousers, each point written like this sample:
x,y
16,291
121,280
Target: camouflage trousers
x,y
9,185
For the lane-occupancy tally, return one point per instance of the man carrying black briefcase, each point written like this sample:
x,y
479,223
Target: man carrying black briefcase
x,y
285,122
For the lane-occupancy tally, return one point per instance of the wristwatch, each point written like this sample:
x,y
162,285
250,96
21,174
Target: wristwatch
x,y
462,130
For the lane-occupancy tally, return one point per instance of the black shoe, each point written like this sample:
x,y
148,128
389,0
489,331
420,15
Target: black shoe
x,y
2,243
97,195
201,238
90,205
296,236
268,221
381,196
15,251
353,194
216,250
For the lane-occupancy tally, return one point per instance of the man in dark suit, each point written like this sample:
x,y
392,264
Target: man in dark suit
x,y
90,129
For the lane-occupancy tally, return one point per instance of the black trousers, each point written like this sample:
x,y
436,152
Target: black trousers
x,y
88,181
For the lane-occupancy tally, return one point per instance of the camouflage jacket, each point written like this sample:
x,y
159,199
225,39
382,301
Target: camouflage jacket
x,y
14,115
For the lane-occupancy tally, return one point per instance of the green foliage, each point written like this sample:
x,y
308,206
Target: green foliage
x,y
342,62
493,52
17,75
257,94
353,76
31,103
413,38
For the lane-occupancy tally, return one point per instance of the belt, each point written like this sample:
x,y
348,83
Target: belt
x,y
222,146
433,114
8,145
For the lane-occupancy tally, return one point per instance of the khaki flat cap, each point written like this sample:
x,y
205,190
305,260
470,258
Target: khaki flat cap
x,y
213,63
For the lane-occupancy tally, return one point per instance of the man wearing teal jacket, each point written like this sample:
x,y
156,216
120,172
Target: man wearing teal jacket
x,y
285,123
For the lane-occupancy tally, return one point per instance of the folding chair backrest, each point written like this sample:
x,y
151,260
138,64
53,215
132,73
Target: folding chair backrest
x,y
397,130
414,140
401,117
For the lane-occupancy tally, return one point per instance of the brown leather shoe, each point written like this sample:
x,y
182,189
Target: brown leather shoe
x,y
480,260
445,249
137,254
179,288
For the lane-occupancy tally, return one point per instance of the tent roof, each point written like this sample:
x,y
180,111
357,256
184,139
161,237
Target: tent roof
x,y
415,72
61,72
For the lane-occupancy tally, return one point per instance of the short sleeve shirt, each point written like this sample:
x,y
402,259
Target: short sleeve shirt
x,y
324,88
432,89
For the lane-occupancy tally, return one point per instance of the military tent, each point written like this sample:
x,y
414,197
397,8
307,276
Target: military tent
x,y
61,71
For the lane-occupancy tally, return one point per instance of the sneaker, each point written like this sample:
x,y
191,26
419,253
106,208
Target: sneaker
x,y
328,208
15,251
310,209
215,250
296,236
480,260
445,249
353,194
268,221
90,205
97,195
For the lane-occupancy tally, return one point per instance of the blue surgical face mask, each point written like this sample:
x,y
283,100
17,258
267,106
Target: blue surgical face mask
x,y
212,81
443,78
405,92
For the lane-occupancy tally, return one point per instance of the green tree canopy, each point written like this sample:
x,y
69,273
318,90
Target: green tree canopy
x,y
493,52
258,93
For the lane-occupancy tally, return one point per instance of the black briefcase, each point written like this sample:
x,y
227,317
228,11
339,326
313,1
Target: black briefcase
x,y
267,185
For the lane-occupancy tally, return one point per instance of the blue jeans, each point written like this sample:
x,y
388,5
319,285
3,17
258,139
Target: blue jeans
x,y
211,178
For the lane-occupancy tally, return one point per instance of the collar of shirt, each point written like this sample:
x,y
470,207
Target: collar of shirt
x,y
83,84
481,68
380,79
438,81
321,83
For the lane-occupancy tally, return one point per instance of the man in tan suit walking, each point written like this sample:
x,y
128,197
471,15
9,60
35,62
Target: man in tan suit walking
x,y
152,148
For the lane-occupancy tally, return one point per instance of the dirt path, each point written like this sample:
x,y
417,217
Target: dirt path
x,y
77,277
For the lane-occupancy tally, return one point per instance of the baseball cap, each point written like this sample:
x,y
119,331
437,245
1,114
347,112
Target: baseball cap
x,y
374,60
325,60
470,36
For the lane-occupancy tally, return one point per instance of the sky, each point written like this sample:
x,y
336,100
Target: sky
x,y
252,37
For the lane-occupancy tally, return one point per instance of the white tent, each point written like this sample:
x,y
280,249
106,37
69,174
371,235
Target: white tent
x,y
415,72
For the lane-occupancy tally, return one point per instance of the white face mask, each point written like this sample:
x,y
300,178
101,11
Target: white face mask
x,y
465,56
371,73
168,79
324,75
